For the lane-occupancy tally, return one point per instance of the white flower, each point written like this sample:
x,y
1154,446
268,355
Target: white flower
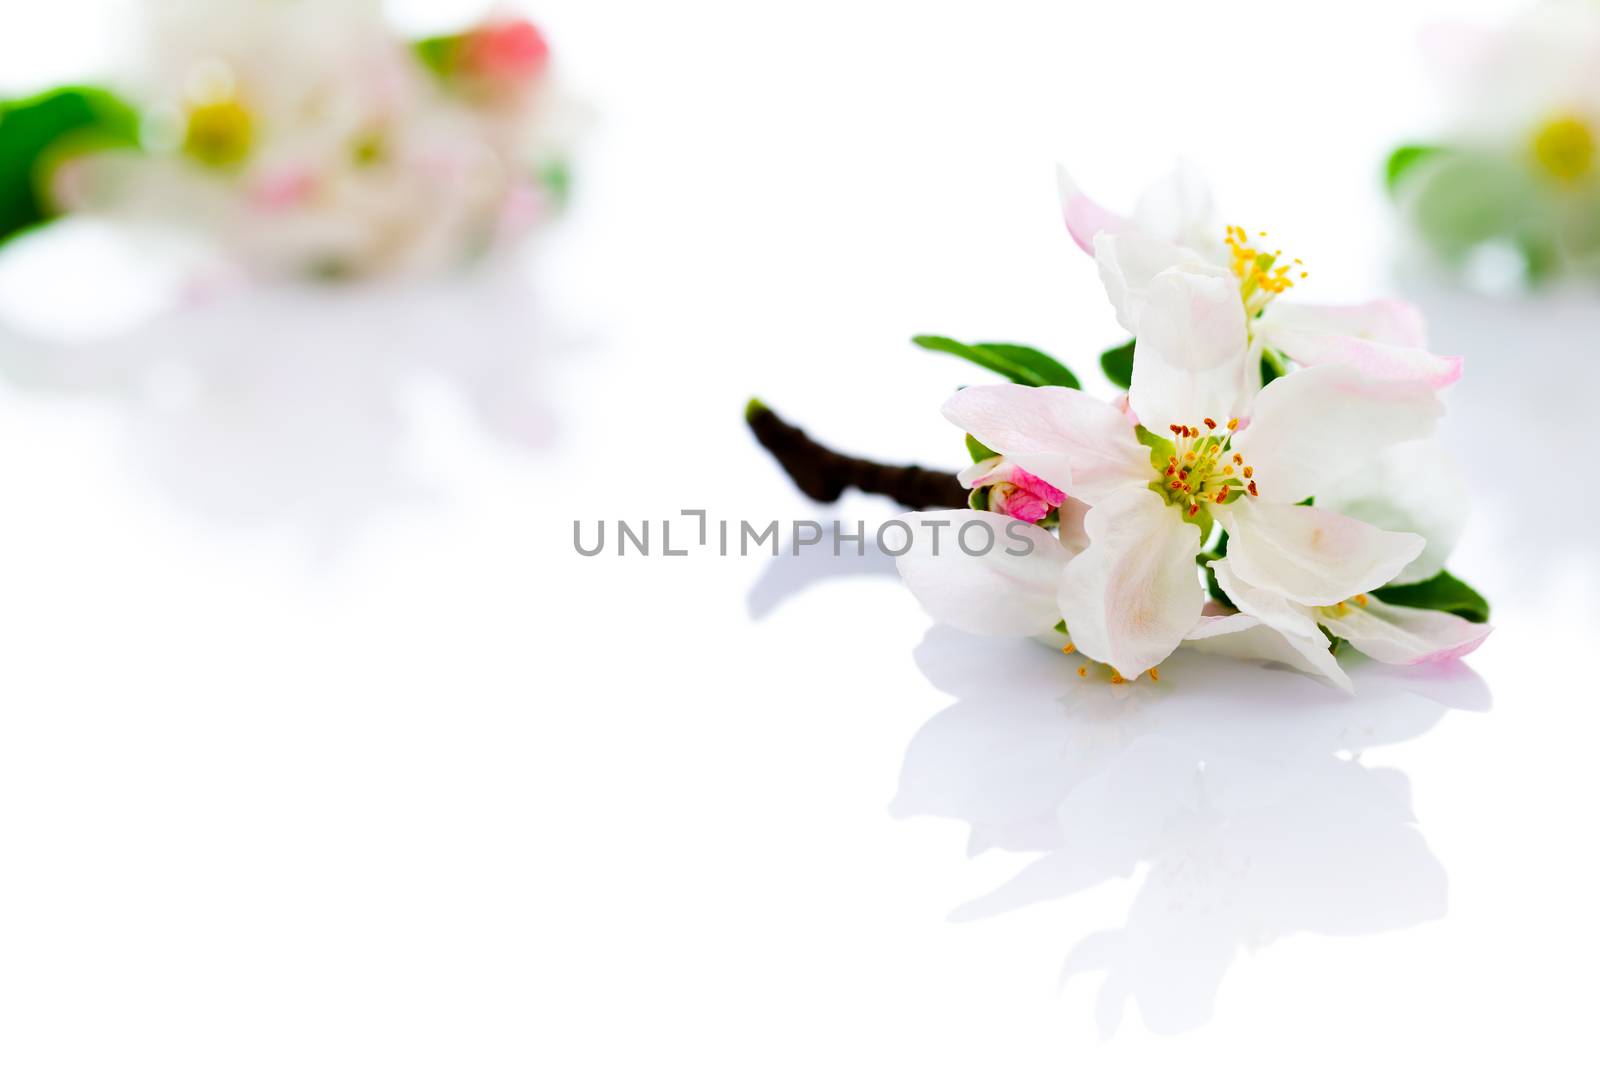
x,y
1173,229
1413,488
308,138
1227,454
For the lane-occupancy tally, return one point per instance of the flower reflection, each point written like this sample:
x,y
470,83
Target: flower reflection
x,y
304,407
1239,803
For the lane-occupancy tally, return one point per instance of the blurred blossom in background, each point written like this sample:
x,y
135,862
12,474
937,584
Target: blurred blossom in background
x,y
270,225
310,139
1507,192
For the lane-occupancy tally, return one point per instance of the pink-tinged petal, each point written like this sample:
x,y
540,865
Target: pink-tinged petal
x,y
1133,595
1070,440
1191,360
996,592
1388,322
1131,261
511,51
1018,503
283,189
1321,424
983,472
1311,341
1311,555
997,470
1390,633
1037,486
1416,487
1083,216
1244,637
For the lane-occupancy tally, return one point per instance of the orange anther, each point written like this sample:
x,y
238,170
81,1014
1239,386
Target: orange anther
x,y
1253,489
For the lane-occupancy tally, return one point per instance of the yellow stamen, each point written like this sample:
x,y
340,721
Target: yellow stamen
x,y
219,134
1565,148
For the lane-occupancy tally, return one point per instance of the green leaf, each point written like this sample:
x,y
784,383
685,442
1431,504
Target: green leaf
x,y
978,450
39,133
1019,363
1402,159
1217,551
1272,367
438,54
1117,363
1443,592
556,177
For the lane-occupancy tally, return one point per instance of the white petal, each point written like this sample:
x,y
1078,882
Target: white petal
x,y
1132,595
1274,609
1416,487
1129,262
1390,322
1244,637
994,593
981,471
1310,555
1317,425
1078,444
1191,360
1083,216
1073,514
1384,339
1179,208
1390,633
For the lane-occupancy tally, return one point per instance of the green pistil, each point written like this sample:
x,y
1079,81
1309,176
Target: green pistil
x,y
1198,470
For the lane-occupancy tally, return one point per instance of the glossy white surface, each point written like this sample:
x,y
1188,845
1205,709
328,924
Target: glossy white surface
x,y
320,744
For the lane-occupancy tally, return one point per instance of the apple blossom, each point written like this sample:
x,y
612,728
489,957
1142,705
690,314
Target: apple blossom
x,y
1508,191
1010,490
1173,229
310,139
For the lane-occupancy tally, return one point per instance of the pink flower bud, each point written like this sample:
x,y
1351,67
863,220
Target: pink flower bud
x,y
510,52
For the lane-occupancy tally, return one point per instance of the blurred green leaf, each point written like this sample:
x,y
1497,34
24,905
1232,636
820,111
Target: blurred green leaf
x,y
1117,363
978,450
1403,159
438,54
41,132
1019,363
1443,592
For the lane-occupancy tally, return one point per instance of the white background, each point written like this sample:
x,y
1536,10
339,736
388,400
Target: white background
x,y
320,744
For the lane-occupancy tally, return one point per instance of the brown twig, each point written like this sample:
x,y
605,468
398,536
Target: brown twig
x,y
823,474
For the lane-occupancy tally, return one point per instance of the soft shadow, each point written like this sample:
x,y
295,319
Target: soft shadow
x,y
1235,800
299,403
791,573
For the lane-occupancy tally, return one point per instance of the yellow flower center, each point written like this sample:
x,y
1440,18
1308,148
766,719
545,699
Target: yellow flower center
x,y
219,133
1202,469
1564,148
1262,275
1344,607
